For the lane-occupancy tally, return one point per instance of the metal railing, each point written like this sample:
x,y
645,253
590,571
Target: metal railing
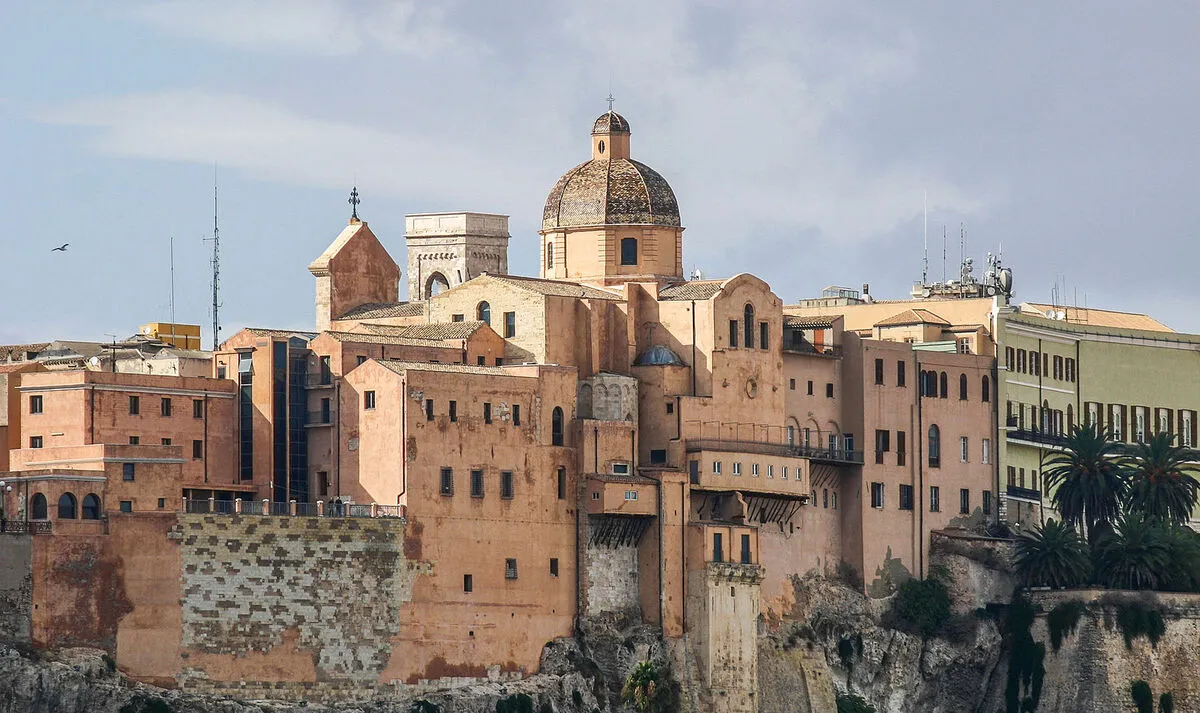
x,y
830,350
834,455
1016,491
291,508
20,527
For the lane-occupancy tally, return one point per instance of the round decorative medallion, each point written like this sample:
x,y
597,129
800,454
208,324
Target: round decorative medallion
x,y
751,388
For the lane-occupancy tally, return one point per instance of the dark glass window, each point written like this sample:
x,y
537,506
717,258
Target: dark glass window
x,y
935,446
197,408
468,583
487,412
197,449
510,568
764,331
483,312
166,407
66,507
629,251
516,414
733,333
135,405
39,507
127,471
899,373
510,324
879,371
553,566
746,558
477,483
556,427
428,409
453,410
944,383
35,404
987,389
962,387
906,497
91,507
718,548
447,481
506,484
562,483
748,325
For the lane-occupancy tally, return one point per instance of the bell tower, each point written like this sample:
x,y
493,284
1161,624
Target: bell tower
x,y
447,249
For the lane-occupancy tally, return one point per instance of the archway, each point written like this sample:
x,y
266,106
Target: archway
x,y
435,284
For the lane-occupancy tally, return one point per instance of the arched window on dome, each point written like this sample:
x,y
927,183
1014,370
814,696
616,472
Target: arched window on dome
x,y
484,313
629,251
549,255
748,326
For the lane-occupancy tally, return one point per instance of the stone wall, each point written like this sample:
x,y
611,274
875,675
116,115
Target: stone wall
x,y
301,600
16,588
612,579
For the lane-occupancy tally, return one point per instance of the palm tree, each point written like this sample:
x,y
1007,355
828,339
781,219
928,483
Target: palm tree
x,y
1052,555
644,691
1088,478
1163,485
1184,567
1135,554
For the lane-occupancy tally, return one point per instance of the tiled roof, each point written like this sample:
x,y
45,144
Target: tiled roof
x,y
610,122
377,310
262,332
22,349
368,338
619,478
912,316
436,331
610,191
1101,317
555,288
816,321
402,366
693,290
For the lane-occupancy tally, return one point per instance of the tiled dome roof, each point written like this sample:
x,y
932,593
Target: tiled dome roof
x,y
610,192
610,122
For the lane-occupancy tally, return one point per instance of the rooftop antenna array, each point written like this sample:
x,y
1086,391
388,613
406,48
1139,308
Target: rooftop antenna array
x,y
996,281
216,269
925,258
172,284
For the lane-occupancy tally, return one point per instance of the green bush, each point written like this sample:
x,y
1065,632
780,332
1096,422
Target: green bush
x,y
577,698
850,703
920,606
516,703
1143,698
423,706
1166,703
1062,620
645,690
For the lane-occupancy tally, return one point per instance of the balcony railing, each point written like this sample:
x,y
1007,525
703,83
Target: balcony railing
x,y
1030,436
20,527
829,350
321,418
1019,493
288,509
785,450
319,381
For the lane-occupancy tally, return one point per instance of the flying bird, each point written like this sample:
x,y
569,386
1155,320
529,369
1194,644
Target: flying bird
x,y
61,248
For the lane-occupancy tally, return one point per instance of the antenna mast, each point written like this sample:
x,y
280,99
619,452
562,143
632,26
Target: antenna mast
x,y
216,269
925,258
172,284
943,254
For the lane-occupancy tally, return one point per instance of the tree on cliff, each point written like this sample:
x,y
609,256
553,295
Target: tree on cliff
x,y
1052,555
1135,554
1162,484
1088,478
644,690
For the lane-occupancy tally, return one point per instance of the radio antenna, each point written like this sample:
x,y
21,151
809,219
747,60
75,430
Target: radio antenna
x,y
216,269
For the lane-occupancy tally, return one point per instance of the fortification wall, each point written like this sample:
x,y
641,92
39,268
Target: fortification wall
x,y
612,579
16,588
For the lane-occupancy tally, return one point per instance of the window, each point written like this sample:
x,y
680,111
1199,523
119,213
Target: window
x,y
483,313
1117,422
35,404
748,325
1021,360
506,485
428,409
791,435
128,471
746,559
487,412
810,387
631,495
510,568
325,370
833,500
882,444
879,371
899,373
510,325
987,451
562,483
670,407
987,502
220,371
556,427
783,475
468,583
620,468
825,498
447,482
943,383
549,255
716,467
91,507
477,483
962,387
906,497
987,389
935,499
162,503
166,407
453,411
322,483
754,470
658,456
481,360
595,495
553,566
360,360
877,495
718,548
1139,432
964,450
35,441
964,501
737,468
764,335
964,345
1035,364
39,507
135,440
770,470
829,391
900,446
499,361
1186,425
1058,367
66,507
197,450
791,384
135,405
629,251
1069,370
935,447
733,333
368,400
1009,358
126,506
516,414
166,441
457,317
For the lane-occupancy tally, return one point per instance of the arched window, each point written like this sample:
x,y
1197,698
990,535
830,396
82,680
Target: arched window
x,y
748,326
987,389
91,507
484,313
628,251
66,507
556,427
944,383
549,254
935,446
962,387
39,508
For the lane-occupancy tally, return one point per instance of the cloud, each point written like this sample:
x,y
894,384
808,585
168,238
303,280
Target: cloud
x,y
310,27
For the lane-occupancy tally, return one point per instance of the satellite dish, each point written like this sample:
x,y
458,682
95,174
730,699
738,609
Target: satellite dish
x,y
1006,280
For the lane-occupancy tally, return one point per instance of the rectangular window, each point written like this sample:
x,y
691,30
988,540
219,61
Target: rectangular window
x,y
1070,370
906,497
221,371
506,485
901,453
468,583
322,483
510,325
197,408
825,498
135,440
516,414
964,450
135,405
964,501
737,468
658,456
360,360
447,481
128,472
595,495
481,361
197,450
718,548
987,451
783,475
833,500
477,483
487,412
764,331
1012,475
716,467
882,444
1021,360
770,471
899,373
1035,364
733,333
935,499
368,400
877,495
35,404
325,371
453,411
166,407
428,409
631,495
499,361
562,483
553,566
829,391
879,372
791,384
746,559
35,441
126,506
620,468
456,317
510,568
987,502
166,441
162,503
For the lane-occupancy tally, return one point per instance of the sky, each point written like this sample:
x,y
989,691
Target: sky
x,y
805,142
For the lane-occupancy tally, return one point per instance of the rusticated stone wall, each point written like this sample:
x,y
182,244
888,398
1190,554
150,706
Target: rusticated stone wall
x,y
16,588
612,579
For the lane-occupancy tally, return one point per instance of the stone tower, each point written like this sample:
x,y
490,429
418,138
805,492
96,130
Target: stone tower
x,y
354,270
447,249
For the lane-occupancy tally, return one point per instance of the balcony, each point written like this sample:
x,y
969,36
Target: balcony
x,y
317,419
809,349
319,381
20,527
1037,438
835,456
286,509
1016,492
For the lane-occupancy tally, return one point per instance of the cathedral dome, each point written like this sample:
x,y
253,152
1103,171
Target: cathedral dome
x,y
611,189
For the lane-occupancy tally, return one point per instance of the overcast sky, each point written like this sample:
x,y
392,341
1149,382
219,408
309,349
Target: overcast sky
x,y
800,139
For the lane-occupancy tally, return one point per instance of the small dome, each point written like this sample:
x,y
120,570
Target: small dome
x,y
610,122
658,355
